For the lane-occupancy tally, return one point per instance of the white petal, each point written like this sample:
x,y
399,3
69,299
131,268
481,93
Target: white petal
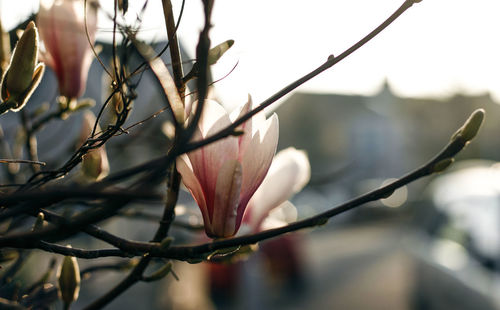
x,y
289,173
296,163
280,216
241,110
286,212
213,118
259,118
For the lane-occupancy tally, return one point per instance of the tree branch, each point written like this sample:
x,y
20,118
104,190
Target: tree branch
x,y
437,164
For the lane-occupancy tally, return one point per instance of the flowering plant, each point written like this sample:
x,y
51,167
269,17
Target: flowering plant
x,y
226,160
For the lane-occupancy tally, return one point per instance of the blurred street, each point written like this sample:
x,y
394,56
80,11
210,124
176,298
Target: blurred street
x,y
361,267
377,269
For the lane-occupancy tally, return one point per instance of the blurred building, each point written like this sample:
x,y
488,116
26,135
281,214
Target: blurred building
x,y
353,137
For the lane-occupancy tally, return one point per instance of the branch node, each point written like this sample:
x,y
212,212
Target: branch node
x,y
442,165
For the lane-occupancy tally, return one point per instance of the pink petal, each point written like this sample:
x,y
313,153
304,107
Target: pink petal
x,y
257,159
191,182
207,161
227,196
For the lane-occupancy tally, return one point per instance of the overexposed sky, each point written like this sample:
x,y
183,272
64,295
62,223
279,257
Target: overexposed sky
x,y
436,48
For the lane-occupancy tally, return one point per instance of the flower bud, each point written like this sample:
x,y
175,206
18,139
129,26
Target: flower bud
x,y
95,164
38,222
23,61
69,280
23,74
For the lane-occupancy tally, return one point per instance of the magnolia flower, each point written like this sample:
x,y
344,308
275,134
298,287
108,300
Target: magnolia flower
x,y
289,173
223,176
62,29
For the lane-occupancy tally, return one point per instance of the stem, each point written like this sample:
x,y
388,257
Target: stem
x,y
202,50
175,54
173,181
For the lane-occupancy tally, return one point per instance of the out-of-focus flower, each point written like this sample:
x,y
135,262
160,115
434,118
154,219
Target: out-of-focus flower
x,y
289,173
62,29
95,164
23,74
223,176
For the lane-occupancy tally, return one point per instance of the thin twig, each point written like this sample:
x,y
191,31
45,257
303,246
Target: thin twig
x,y
92,47
331,61
203,74
80,253
21,161
229,130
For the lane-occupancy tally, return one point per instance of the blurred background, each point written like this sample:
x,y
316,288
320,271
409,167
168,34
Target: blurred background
x,y
379,114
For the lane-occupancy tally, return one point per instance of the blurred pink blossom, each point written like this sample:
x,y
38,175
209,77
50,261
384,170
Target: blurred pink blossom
x,y
223,176
67,50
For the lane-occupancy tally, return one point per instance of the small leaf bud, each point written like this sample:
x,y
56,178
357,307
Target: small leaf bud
x,y
165,243
471,127
215,53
